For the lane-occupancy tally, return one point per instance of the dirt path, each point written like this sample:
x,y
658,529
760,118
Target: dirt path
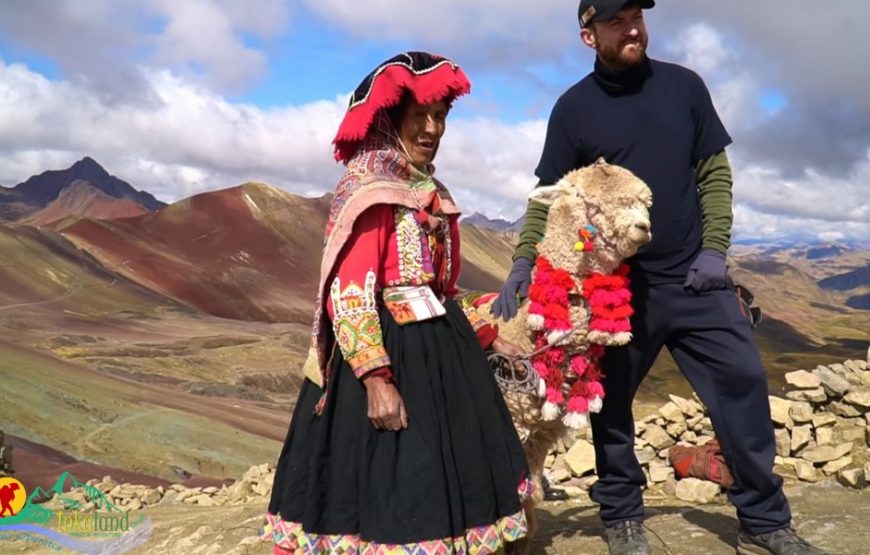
x,y
829,515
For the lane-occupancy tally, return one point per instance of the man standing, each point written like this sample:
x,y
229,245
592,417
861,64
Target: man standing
x,y
657,120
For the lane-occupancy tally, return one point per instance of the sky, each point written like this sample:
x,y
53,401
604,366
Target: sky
x,y
178,97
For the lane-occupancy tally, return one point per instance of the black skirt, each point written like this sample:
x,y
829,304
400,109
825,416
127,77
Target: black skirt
x,y
451,482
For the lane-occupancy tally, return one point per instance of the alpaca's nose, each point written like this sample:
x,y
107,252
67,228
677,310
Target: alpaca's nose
x,y
643,226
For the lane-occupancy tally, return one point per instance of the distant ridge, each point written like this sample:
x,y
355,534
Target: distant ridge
x,y
82,200
39,191
480,220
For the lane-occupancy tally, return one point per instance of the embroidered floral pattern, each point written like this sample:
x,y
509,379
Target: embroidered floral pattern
x,y
415,256
482,540
356,325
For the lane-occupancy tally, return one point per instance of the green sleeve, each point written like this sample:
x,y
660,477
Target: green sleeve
x,y
713,176
533,229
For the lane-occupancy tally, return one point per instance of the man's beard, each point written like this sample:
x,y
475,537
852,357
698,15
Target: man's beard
x,y
616,57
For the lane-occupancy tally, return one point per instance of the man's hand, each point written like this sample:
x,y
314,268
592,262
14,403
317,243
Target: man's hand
x,y
708,272
517,284
507,348
386,409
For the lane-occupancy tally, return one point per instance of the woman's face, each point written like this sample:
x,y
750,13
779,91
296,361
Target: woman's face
x,y
421,128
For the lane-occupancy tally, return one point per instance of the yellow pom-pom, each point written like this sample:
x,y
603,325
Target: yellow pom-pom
x,y
579,246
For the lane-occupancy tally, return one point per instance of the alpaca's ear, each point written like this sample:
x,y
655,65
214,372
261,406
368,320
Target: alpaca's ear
x,y
548,194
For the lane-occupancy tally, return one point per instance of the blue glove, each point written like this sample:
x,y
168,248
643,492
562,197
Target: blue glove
x,y
517,284
708,272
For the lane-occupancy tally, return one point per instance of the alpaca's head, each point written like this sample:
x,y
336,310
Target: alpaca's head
x,y
599,216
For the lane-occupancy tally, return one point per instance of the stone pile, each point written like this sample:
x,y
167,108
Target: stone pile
x,y
255,484
822,428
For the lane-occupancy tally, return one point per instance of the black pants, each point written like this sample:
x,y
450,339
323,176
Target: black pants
x,y
712,344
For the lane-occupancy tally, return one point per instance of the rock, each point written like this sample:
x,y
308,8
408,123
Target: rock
x,y
239,491
580,458
801,412
676,429
865,377
783,442
703,440
833,384
152,497
844,410
670,487
867,471
177,487
833,467
779,411
107,484
812,395
822,419
800,437
689,436
262,489
169,497
587,482
790,462
852,478
187,494
854,366
802,379
827,453
211,490
838,369
693,421
548,462
806,471
659,473
694,490
859,398
684,405
853,434
645,455
559,475
671,412
658,438
254,473
574,492
825,436
134,505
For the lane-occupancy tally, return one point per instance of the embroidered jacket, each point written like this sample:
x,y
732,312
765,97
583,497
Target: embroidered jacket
x,y
390,246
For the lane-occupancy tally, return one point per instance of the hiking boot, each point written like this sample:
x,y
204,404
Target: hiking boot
x,y
779,542
627,538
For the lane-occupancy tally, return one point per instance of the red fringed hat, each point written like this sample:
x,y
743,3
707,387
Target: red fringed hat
x,y
429,77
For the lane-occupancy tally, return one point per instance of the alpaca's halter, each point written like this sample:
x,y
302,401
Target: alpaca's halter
x,y
515,374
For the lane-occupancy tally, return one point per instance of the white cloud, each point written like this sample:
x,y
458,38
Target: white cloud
x,y
103,43
188,141
145,92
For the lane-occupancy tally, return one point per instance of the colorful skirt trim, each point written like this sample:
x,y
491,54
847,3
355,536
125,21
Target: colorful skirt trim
x,y
290,538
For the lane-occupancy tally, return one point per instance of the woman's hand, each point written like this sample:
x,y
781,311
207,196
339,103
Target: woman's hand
x,y
386,409
505,347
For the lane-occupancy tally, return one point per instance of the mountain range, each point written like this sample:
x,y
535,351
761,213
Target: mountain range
x,y
167,339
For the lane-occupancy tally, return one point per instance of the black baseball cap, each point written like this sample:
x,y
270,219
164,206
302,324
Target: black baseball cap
x,y
602,10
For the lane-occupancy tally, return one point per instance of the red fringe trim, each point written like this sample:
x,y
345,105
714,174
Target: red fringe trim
x,y
446,81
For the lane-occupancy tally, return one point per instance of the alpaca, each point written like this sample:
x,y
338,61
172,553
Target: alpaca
x,y
578,304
